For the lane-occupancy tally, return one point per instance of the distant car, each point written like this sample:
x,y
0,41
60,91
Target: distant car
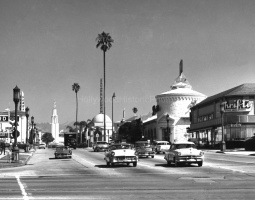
x,y
42,146
121,153
63,152
145,151
161,146
249,144
101,146
184,152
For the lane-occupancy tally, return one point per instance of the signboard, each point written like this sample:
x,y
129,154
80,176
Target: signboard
x,y
240,105
3,134
4,118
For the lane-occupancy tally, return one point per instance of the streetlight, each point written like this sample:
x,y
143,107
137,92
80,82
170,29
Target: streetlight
x,y
167,129
16,97
222,111
34,136
32,130
27,115
113,96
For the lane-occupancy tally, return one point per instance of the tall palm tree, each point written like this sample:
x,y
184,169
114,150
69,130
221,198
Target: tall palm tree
x,y
76,88
104,41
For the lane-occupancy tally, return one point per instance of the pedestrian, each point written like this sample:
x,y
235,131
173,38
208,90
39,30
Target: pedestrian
x,y
2,147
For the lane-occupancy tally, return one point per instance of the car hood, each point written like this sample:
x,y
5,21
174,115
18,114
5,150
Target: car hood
x,y
124,152
188,151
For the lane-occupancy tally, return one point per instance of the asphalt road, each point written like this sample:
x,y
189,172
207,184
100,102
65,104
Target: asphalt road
x,y
86,176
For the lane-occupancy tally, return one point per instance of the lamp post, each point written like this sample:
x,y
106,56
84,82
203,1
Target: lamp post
x,y
222,111
34,136
167,129
16,97
113,96
27,115
32,130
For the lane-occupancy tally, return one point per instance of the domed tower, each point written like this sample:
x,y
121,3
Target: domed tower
x,y
174,108
54,123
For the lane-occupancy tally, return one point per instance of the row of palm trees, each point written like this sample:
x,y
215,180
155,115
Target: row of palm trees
x,y
104,41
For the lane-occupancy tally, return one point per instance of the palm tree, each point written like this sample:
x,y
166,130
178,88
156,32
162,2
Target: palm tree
x,y
76,88
104,41
135,110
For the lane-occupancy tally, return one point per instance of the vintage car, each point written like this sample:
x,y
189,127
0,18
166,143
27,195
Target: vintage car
x,y
121,153
42,146
63,152
100,146
161,146
184,152
145,151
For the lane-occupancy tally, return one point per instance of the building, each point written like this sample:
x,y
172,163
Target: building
x,y
236,117
95,132
169,119
54,124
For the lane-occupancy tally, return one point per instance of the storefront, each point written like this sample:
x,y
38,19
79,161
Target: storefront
x,y
231,111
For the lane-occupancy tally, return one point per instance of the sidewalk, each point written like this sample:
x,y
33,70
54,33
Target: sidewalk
x,y
232,151
5,161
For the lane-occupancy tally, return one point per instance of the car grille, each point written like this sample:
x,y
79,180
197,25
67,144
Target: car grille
x,y
125,157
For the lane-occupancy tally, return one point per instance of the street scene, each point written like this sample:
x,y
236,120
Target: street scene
x,y
127,99
86,176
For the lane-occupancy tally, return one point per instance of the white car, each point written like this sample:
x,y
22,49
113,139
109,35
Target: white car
x,y
161,146
42,146
121,153
184,152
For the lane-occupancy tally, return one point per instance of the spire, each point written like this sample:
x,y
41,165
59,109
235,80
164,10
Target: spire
x,y
181,81
181,67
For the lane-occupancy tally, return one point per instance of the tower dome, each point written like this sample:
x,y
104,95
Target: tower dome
x,y
98,120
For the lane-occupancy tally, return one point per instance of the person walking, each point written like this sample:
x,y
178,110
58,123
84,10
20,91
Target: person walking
x,y
2,147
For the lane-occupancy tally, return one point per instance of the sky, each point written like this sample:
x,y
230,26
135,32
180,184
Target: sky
x,y
48,45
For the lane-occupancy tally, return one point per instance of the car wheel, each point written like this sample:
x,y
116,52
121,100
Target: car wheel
x,y
168,162
176,164
134,164
200,164
107,163
112,164
152,156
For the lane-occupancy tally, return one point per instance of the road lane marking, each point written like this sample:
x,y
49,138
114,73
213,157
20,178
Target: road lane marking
x,y
22,188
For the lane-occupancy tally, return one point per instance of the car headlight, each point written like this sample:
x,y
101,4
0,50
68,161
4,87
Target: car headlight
x,y
179,154
201,153
112,153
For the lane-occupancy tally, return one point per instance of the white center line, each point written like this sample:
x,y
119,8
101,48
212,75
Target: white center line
x,y
22,188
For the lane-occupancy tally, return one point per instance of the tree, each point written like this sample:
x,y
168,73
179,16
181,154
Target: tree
x,y
83,124
104,41
47,138
76,88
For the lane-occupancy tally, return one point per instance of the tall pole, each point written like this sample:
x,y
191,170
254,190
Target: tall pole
x,y
104,99
113,96
222,111
16,97
27,115
167,120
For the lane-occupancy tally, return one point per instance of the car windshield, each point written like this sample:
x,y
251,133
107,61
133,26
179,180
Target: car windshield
x,y
101,142
183,146
113,147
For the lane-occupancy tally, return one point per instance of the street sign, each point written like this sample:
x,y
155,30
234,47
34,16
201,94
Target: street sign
x,y
4,118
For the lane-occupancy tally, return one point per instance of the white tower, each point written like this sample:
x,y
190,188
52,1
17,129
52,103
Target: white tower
x,y
54,123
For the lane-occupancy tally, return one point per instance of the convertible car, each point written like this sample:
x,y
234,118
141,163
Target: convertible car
x,y
121,153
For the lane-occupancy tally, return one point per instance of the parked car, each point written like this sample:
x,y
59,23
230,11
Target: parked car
x,y
121,153
63,152
249,144
184,152
161,146
100,146
42,146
